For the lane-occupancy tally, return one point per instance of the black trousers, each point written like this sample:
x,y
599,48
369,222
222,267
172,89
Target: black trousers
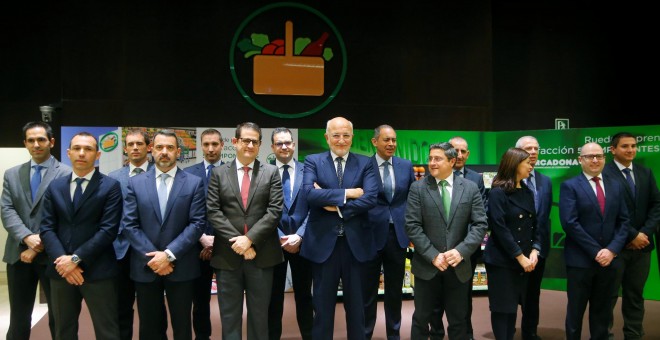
x,y
631,278
530,308
593,286
22,280
301,277
201,310
151,308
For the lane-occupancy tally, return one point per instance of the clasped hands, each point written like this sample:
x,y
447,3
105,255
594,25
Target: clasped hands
x,y
291,243
159,263
351,193
605,257
449,258
70,271
528,263
34,248
640,242
242,245
207,247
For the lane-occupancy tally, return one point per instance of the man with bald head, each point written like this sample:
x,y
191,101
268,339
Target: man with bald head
x,y
594,216
341,188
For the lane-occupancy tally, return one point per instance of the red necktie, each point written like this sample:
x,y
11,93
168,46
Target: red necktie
x,y
245,190
600,195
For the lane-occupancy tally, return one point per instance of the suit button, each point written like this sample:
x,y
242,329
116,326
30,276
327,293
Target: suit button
x,y
530,215
521,216
518,241
518,229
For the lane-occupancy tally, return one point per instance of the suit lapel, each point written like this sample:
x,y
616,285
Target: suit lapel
x,y
589,191
254,181
457,191
92,186
152,192
350,171
179,179
48,177
24,180
432,188
330,169
233,176
297,182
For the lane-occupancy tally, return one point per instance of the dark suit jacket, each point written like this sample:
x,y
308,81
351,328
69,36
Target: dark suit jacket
x,y
121,244
587,230
322,226
20,215
513,223
544,195
644,207
200,171
430,233
479,179
228,215
294,215
379,216
87,230
179,230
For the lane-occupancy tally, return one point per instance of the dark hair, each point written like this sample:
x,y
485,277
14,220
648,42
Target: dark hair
x,y
170,133
379,128
137,131
247,125
506,172
615,139
85,133
276,131
36,124
449,150
211,132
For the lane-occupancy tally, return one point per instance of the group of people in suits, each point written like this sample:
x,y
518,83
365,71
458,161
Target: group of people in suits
x,y
155,233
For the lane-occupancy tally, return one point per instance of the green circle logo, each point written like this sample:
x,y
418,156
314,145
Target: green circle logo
x,y
109,142
288,60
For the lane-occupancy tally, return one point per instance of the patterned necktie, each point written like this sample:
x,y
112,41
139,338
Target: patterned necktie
x,y
340,172
629,178
77,193
600,195
286,184
245,190
162,194
446,199
387,181
458,173
137,171
532,186
35,180
209,170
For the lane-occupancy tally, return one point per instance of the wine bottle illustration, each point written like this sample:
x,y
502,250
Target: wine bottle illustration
x,y
315,48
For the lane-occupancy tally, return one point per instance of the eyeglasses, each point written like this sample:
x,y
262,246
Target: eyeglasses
x,y
281,144
598,157
435,159
247,141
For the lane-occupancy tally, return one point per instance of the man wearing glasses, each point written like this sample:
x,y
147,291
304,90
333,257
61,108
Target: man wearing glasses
x,y
244,202
594,217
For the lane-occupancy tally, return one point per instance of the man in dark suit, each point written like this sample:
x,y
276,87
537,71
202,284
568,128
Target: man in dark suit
x,y
291,231
136,147
541,187
244,203
80,221
596,228
23,187
341,188
643,202
387,222
462,155
163,219
446,222
212,145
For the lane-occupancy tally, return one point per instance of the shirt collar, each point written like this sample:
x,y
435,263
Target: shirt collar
x,y
171,172
450,180
240,166
380,160
621,167
589,177
334,156
88,177
291,164
142,166
216,164
44,164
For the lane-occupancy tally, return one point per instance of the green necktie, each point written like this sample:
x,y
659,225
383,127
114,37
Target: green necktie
x,y
446,199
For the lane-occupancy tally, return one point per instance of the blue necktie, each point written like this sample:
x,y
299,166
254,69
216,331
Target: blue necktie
x,y
629,178
77,193
340,172
286,184
387,181
458,173
209,170
532,186
162,194
35,180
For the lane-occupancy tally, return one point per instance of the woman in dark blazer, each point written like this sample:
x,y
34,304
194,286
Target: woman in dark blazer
x,y
512,248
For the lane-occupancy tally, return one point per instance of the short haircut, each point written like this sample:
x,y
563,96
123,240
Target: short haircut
x,y
327,124
521,139
379,128
37,124
617,137
85,133
169,133
279,130
141,132
449,150
247,125
211,132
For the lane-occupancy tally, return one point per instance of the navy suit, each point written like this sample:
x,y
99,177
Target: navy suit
x,y
293,221
391,243
202,294
530,309
86,230
587,232
179,231
644,209
336,256
125,286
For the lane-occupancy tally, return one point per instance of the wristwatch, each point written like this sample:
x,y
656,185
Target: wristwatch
x,y
75,259
170,257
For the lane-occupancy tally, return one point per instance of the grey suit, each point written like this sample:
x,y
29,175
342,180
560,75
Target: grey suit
x,y
432,233
21,217
234,274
